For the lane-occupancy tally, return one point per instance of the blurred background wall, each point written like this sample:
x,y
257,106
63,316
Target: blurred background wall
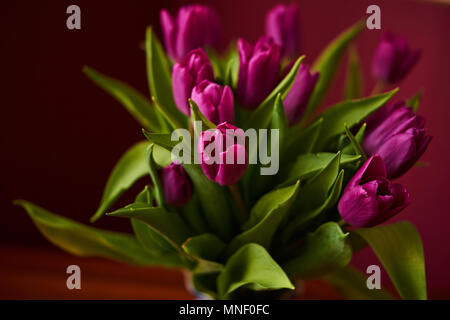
x,y
61,135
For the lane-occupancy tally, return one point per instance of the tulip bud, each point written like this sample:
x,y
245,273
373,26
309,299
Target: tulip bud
x,y
259,71
397,135
176,184
298,96
186,74
194,27
393,59
370,198
223,154
283,26
215,103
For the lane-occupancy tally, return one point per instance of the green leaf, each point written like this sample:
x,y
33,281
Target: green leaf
x,y
151,240
205,283
251,265
415,100
279,120
350,149
352,284
161,139
354,81
214,201
315,197
164,253
323,251
399,248
302,218
158,188
194,216
159,77
309,164
265,217
316,190
271,203
130,168
232,68
174,124
166,223
206,246
260,117
162,157
254,182
355,143
197,115
138,105
327,64
216,63
85,241
144,196
206,250
348,112
302,141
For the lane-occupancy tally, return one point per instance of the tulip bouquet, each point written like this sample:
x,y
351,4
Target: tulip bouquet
x,y
247,227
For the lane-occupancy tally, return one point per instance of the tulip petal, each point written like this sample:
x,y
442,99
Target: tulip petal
x,y
258,71
372,168
182,83
231,173
226,109
357,208
169,30
396,151
176,184
297,98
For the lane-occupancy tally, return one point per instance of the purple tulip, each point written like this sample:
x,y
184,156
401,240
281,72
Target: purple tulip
x,y
283,26
393,59
223,154
176,184
194,27
259,71
216,104
186,74
370,198
397,134
298,96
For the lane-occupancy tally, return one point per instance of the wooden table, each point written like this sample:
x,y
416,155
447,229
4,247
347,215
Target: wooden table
x,y
33,272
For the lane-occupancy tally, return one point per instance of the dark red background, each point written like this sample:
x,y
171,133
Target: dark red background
x,y
61,135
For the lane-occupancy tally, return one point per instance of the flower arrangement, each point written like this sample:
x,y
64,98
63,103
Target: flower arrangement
x,y
238,232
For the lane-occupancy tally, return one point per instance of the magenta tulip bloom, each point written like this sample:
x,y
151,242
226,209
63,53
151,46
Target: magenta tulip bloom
x,y
223,154
397,134
297,98
176,184
283,26
186,74
370,198
259,71
195,26
393,59
216,104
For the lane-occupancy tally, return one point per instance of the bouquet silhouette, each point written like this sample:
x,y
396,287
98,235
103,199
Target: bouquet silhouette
x,y
249,188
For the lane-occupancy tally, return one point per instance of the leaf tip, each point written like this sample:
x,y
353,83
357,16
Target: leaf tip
x,y
17,202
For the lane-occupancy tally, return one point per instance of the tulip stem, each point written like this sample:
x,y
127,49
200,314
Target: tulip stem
x,y
191,128
238,199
